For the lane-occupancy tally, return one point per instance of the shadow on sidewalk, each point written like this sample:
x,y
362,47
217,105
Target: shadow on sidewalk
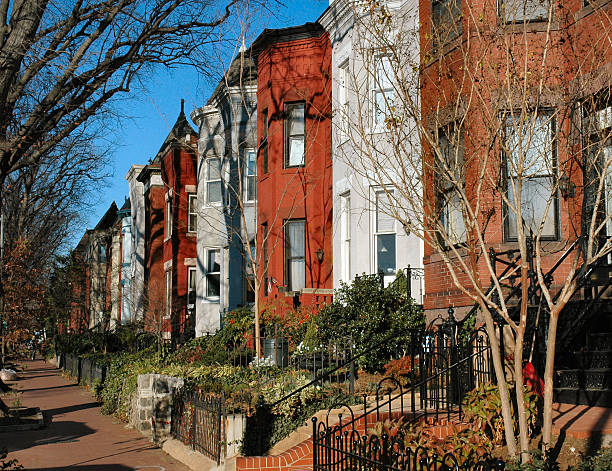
x,y
50,413
93,467
50,387
63,432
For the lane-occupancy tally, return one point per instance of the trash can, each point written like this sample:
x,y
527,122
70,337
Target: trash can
x,y
277,350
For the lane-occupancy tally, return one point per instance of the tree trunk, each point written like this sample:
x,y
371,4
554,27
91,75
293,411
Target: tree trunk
x,y
518,365
520,397
501,381
548,380
256,286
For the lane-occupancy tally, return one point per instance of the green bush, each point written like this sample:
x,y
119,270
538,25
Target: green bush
x,y
371,315
602,461
538,462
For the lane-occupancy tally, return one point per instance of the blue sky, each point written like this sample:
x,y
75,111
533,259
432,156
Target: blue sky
x,y
150,116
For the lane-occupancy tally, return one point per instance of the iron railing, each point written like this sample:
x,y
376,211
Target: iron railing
x,y
346,445
198,420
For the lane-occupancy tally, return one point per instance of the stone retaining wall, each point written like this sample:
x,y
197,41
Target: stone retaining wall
x,y
152,405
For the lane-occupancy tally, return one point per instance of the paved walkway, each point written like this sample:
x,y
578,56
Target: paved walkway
x,y
78,436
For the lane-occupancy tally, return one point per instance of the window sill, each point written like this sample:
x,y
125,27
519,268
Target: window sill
x,y
212,300
593,7
191,234
529,26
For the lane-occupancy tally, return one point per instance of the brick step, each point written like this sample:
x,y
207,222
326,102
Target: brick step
x,y
589,397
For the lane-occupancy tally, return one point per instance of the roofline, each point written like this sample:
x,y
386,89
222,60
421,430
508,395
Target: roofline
x,y
283,35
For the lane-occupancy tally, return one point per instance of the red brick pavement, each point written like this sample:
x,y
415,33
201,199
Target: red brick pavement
x,y
78,436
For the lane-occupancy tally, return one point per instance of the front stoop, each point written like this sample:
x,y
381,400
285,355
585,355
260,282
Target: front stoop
x,y
297,458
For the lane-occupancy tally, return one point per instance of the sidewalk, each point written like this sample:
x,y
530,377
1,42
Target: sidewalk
x,y
77,436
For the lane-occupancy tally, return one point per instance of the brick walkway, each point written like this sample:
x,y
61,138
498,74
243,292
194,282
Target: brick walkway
x,y
77,436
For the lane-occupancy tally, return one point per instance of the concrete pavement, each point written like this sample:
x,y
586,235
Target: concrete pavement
x,y
77,436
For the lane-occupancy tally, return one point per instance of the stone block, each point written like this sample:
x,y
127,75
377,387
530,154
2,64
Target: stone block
x,y
144,382
145,402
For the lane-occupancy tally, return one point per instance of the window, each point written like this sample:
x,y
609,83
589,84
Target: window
x,y
528,146
192,213
383,93
446,21
384,232
295,255
102,253
450,182
250,275
598,148
264,142
519,11
343,103
264,232
345,230
294,134
250,176
213,273
169,218
191,286
168,310
213,180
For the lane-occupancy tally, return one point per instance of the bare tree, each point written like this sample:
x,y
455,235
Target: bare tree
x,y
493,136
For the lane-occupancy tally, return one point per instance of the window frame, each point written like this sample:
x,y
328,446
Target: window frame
x,y
169,218
501,13
444,188
345,232
208,273
191,271
376,233
247,175
210,181
263,146
168,295
437,41
287,258
384,91
192,212
555,207
287,136
343,101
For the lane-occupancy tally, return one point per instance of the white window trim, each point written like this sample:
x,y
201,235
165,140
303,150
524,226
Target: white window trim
x,y
287,136
192,210
345,234
343,102
248,151
206,273
169,219
191,270
378,128
375,233
220,179
168,295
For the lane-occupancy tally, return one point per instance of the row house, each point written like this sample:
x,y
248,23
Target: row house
x,y
368,236
94,262
294,170
227,192
259,201
516,97
169,262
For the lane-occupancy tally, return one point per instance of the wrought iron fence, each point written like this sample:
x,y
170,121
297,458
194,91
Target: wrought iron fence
x,y
448,372
198,420
339,449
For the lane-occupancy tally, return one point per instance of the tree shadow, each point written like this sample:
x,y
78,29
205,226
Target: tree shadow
x,y
56,432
